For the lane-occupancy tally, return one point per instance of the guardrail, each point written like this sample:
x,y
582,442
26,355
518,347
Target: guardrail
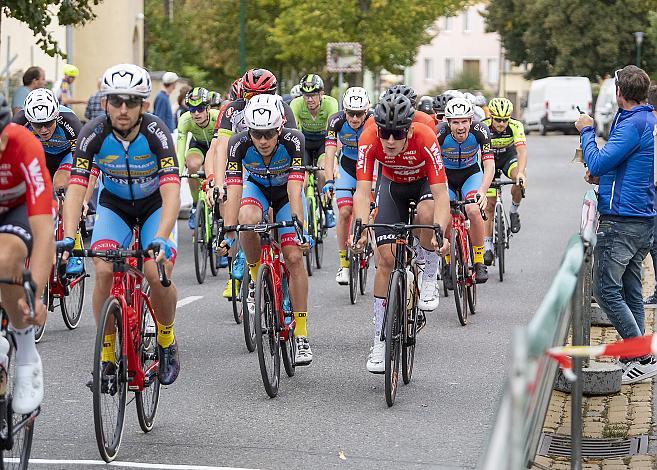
x,y
521,413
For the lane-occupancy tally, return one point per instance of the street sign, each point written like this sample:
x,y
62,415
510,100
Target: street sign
x,y
343,57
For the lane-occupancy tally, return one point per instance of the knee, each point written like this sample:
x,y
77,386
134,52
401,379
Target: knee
x,y
294,259
425,213
103,273
12,258
385,260
249,215
473,212
346,211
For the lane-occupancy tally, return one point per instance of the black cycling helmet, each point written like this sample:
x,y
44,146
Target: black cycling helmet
x,y
439,103
426,106
394,112
5,113
404,90
311,83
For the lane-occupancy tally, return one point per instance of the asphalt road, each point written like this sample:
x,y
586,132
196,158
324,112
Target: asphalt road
x,y
332,414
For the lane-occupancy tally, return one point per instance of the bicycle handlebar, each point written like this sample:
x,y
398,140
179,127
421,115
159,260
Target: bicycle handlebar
x,y
261,228
400,228
313,168
29,287
462,204
497,183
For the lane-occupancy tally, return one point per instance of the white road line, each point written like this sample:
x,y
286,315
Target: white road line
x,y
188,300
125,464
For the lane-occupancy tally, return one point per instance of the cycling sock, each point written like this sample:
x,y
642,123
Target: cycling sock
x,y
514,208
26,352
488,243
164,334
344,262
300,324
77,245
430,264
447,258
379,312
478,253
253,270
109,343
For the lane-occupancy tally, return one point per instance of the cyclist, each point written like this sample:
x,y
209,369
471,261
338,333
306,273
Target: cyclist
x,y
26,229
346,126
510,148
408,92
412,169
460,141
479,114
141,188
439,104
480,100
426,106
312,111
274,159
63,87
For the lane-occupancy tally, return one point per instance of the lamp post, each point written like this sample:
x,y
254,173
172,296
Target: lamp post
x,y
638,36
242,37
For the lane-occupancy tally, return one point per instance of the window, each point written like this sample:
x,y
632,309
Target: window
x,y
466,20
492,71
471,66
448,23
428,68
449,69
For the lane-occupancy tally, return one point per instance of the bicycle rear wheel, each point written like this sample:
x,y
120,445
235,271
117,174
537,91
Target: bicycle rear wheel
x,y
248,310
471,285
393,316
354,267
500,240
148,399
267,335
458,271
408,339
109,386
72,303
200,243
289,351
441,272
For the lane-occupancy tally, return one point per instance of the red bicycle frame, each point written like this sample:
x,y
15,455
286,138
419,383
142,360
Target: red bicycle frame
x,y
270,255
461,225
56,288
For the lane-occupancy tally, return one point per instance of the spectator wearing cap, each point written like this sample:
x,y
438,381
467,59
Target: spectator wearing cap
x,y
62,88
33,78
162,106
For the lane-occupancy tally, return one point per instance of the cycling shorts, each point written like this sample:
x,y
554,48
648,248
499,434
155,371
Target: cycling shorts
x,y
314,150
465,182
15,222
198,147
115,218
346,182
61,162
392,202
506,164
263,197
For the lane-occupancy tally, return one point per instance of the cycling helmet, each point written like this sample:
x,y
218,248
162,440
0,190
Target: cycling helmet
x,y
311,83
459,108
500,107
198,96
404,90
263,112
439,103
425,105
215,98
235,90
480,100
356,99
296,91
258,81
5,113
41,105
453,94
126,79
71,70
470,97
393,112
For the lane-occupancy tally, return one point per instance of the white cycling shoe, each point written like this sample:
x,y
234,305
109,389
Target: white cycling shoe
x,y
304,354
342,277
28,388
429,298
376,360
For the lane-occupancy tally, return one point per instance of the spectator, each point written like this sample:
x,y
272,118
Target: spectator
x,y
652,300
62,88
94,109
33,78
162,105
181,102
624,168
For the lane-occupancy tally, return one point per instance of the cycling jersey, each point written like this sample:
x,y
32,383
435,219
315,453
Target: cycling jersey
x,y
339,128
419,116
504,143
202,135
421,158
314,128
131,170
232,119
461,155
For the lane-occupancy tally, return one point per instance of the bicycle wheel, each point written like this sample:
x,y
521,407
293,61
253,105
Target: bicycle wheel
x,y
320,232
354,267
267,336
72,303
212,249
443,275
500,242
311,229
200,243
364,268
109,389
408,339
471,285
248,309
458,278
47,301
289,351
393,316
236,299
148,399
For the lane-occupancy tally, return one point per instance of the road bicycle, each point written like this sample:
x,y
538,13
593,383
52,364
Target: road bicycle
x,y
403,319
316,220
501,226
273,319
16,430
237,295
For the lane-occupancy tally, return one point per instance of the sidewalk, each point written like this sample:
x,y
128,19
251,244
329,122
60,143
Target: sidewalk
x,y
632,412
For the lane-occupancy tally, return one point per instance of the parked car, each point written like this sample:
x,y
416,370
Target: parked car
x,y
552,103
605,108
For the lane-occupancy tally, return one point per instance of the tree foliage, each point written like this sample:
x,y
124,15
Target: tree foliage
x,y
39,14
580,37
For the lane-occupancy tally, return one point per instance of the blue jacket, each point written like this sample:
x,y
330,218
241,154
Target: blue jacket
x,y
625,164
162,109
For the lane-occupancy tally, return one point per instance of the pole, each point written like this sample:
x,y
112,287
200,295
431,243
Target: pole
x,y
6,84
578,387
242,37
638,54
340,83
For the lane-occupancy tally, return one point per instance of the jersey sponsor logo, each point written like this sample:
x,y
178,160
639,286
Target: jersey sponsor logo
x,y
108,159
64,124
482,129
15,229
82,163
387,236
294,139
167,162
330,135
36,177
296,161
154,129
10,194
232,166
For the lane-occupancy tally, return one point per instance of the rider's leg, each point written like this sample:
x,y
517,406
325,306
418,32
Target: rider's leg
x,y
345,183
342,230
193,162
250,241
516,190
298,282
488,224
60,179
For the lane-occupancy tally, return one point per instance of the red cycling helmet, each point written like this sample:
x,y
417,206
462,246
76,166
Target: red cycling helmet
x,y
236,89
257,81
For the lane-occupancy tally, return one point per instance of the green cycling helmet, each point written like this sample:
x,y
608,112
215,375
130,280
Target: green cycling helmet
x,y
199,96
311,83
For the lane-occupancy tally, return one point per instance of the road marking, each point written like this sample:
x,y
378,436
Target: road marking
x,y
188,300
125,464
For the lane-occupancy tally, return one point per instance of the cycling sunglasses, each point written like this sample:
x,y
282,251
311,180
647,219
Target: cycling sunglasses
x,y
130,101
397,134
268,134
42,125
197,109
355,114
501,119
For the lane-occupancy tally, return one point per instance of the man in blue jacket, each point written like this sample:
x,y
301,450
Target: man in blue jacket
x,y
623,168
162,105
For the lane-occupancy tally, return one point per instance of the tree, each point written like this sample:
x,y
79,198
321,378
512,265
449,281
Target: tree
x,y
38,15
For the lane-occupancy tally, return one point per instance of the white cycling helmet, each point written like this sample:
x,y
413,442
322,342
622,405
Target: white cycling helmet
x,y
470,97
481,101
458,108
126,79
41,105
356,99
263,112
296,91
453,94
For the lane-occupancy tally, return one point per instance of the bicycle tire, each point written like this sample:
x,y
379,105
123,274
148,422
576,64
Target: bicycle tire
x,y
73,302
354,268
500,244
393,316
111,315
471,287
236,296
364,268
289,351
458,279
249,314
311,229
319,237
48,302
212,249
147,400
409,338
267,334
200,243
441,272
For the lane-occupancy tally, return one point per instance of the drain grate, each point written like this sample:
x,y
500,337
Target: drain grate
x,y
558,445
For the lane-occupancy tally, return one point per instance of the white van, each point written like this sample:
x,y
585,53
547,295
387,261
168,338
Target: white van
x,y
605,108
552,103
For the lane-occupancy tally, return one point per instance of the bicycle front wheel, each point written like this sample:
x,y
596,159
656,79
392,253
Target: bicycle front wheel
x,y
48,302
200,243
500,240
212,249
471,285
248,310
72,303
393,318
148,399
408,340
319,232
267,333
354,264
458,271
311,229
364,267
109,383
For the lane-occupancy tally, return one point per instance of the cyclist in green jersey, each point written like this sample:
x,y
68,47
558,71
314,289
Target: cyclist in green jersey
x,y
312,111
198,121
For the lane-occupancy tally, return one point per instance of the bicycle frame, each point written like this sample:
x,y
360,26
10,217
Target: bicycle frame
x,y
461,224
497,185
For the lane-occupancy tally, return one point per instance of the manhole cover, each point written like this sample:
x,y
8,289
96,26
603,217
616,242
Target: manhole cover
x,y
559,445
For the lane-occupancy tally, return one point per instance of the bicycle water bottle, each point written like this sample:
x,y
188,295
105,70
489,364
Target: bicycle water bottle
x,y
4,362
410,287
